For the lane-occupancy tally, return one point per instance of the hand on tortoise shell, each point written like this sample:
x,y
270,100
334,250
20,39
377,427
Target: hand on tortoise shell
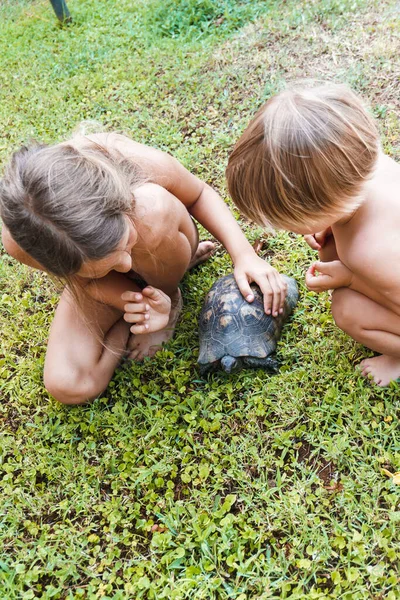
x,y
270,282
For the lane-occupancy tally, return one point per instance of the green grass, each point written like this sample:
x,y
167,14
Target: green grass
x,y
170,486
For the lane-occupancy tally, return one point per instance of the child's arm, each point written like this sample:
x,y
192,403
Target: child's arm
x,y
210,210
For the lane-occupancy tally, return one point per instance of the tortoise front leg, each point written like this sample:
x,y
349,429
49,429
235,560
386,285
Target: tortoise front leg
x,y
207,368
268,363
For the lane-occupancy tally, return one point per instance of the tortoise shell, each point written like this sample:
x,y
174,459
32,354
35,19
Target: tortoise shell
x,y
235,333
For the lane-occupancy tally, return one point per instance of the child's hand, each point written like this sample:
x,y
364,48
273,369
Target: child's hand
x,y
271,284
149,310
316,241
331,275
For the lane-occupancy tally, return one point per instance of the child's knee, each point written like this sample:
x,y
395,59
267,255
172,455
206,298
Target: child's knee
x,y
73,388
342,309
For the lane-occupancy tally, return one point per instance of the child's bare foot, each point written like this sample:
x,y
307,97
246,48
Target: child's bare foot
x,y
203,253
382,369
148,344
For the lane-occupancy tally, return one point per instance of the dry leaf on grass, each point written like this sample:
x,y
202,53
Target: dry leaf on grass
x,y
258,246
395,476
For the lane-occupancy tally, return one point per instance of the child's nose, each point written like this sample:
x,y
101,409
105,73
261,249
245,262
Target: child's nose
x,y
125,264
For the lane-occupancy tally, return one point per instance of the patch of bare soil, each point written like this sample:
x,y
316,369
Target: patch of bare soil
x,y
363,51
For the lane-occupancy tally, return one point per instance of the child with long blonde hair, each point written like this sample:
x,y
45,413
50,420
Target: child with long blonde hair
x,y
112,218
310,162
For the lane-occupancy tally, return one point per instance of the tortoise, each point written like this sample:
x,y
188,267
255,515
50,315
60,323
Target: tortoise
x,y
235,333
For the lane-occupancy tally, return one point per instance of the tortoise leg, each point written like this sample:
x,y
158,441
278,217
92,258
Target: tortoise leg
x,y
207,368
268,363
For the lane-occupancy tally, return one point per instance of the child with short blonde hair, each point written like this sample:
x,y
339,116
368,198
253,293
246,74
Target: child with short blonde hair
x,y
310,162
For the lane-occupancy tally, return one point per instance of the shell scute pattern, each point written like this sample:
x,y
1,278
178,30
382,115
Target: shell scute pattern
x,y
253,318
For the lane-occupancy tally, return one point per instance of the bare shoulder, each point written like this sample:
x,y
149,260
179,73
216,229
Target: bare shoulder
x,y
157,210
155,163
157,166
123,143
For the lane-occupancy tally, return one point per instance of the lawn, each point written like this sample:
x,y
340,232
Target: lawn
x,y
171,486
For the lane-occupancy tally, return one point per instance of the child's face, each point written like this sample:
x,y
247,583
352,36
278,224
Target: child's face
x,y
119,260
318,224
321,222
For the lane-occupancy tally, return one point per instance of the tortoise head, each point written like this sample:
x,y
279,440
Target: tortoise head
x,y
230,363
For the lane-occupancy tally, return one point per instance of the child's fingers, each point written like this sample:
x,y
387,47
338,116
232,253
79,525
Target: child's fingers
x,y
312,242
311,278
136,308
321,267
326,268
129,296
271,297
279,289
268,295
134,355
318,283
245,289
320,238
136,317
151,293
139,329
311,269
276,303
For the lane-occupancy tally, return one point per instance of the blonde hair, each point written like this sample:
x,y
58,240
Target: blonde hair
x,y
65,204
307,151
